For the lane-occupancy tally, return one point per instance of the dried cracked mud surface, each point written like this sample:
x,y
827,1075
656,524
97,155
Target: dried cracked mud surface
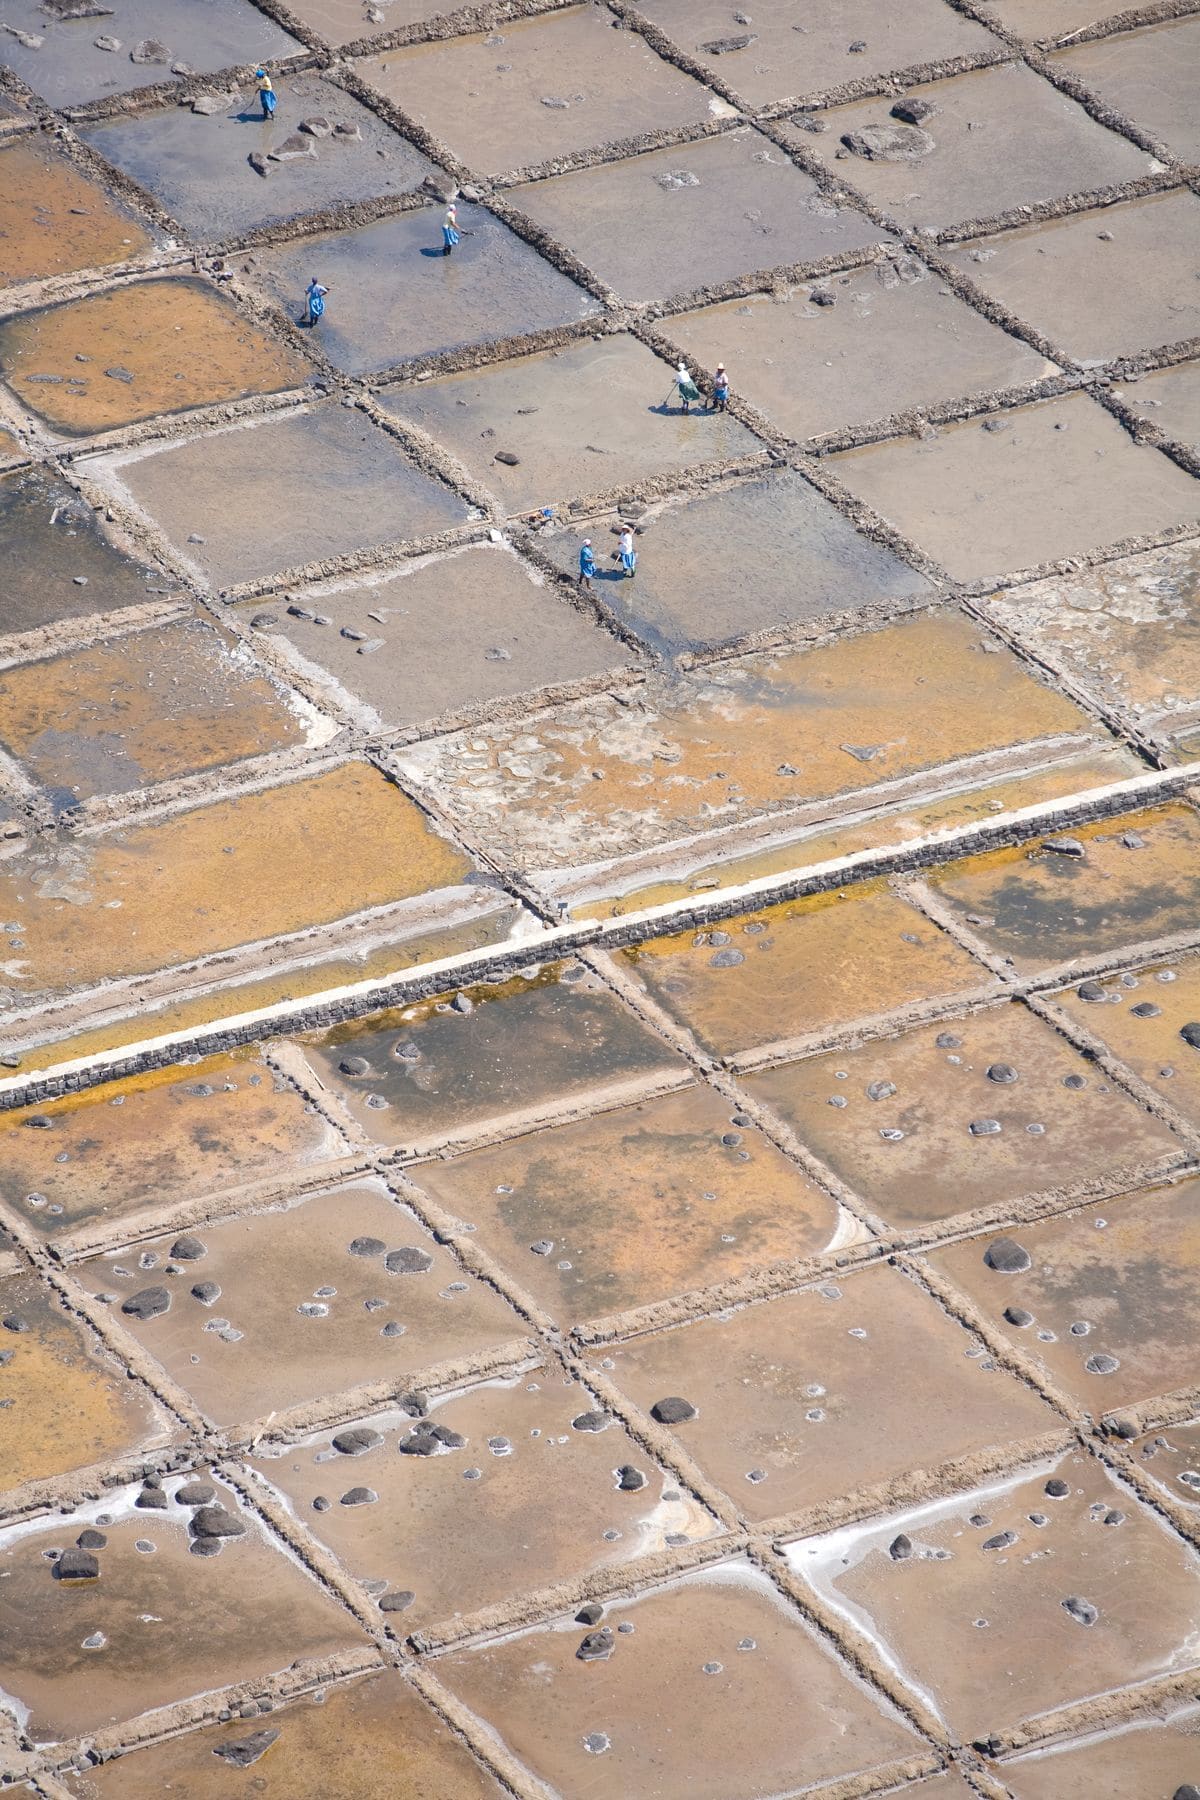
x,y
598,1175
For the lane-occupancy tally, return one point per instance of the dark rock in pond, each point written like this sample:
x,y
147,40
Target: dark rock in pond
x,y
1101,1364
1063,846
1001,1541
397,1601
428,1439
196,1493
77,1565
1003,1074
414,1403
946,1040
591,1421
243,1753
822,296
985,1128
367,1246
597,1646
354,1065
148,1303
91,1540
206,1292
1190,1034
317,127
1017,1315
881,1090
321,1503
152,1499
149,51
188,1249
889,143
1082,1611
409,1260
589,1614
1145,1009
1090,990
1188,1791
629,1479
726,959
913,111
673,1410
359,1496
217,1522
1057,1488
1007,1257
726,45
507,457
357,1440
900,1548
14,1322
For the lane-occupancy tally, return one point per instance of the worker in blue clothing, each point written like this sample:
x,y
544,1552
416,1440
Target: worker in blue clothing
x,y
266,93
587,564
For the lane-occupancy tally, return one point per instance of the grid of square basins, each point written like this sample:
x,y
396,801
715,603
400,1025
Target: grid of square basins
x,y
817,1255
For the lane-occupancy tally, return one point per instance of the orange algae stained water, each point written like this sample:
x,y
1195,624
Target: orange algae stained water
x,y
377,1733
1112,1290
983,1627
169,1623
274,1336
116,1151
802,966
1138,878
806,1399
146,707
174,344
945,1119
65,1404
635,1205
231,873
760,735
54,218
715,1660
526,1500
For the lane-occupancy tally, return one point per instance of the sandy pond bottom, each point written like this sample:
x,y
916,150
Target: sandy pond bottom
x,y
712,1660
1018,1597
158,1622
376,1732
55,218
530,1486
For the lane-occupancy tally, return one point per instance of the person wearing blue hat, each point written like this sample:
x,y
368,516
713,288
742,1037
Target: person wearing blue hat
x,y
266,93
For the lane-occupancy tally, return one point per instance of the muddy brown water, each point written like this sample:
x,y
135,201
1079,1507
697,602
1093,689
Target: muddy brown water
x,y
1168,1459
273,495
706,212
578,420
111,719
801,967
1138,1761
525,1502
1126,629
505,1050
1002,138
737,560
633,1206
346,21
154,347
67,68
915,1135
1170,399
125,1149
895,338
275,1336
712,1659
983,1632
1136,879
394,297
538,88
439,634
158,1624
804,1400
1144,75
752,737
786,59
197,167
58,561
54,218
1074,481
377,1733
143,897
1111,1283
1141,1020
67,1403
1048,274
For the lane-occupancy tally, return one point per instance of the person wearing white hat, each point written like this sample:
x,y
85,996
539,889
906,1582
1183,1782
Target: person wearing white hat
x,y
587,564
450,233
688,391
720,394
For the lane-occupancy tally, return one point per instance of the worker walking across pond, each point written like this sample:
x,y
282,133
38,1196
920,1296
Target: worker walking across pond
x,y
587,564
626,552
266,93
450,232
688,391
314,301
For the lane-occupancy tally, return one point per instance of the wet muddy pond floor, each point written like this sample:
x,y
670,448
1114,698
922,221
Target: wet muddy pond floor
x,y
598,1177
